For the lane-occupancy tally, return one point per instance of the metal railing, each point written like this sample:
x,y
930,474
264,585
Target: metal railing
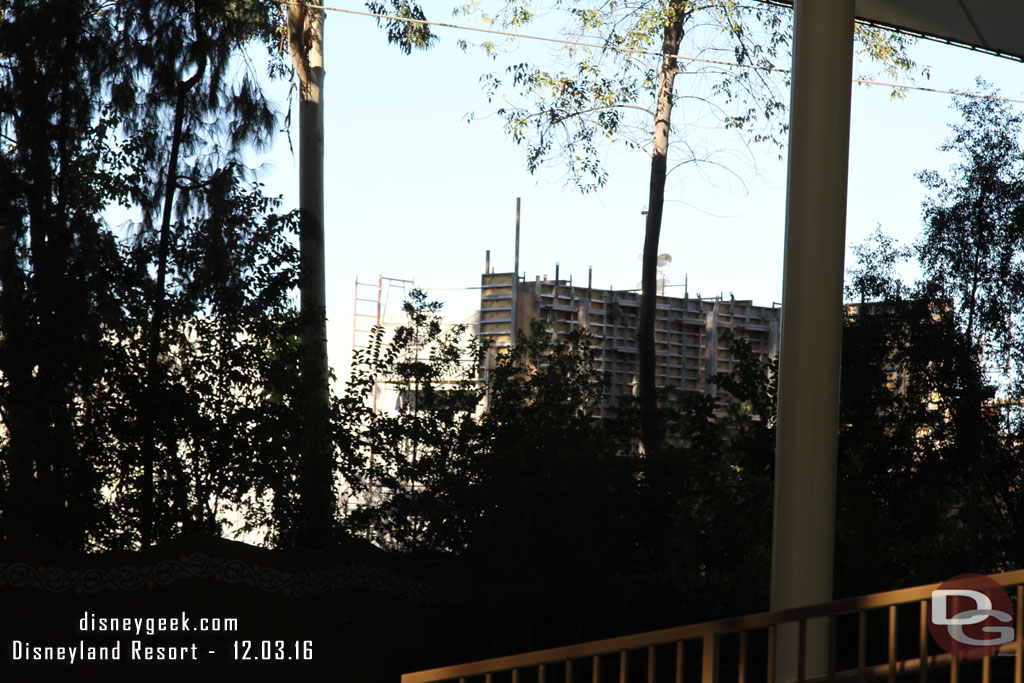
x,y
743,649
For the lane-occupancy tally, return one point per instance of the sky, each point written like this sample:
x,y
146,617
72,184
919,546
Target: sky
x,y
415,191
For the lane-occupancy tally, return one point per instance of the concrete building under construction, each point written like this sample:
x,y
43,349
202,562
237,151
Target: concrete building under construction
x,y
692,335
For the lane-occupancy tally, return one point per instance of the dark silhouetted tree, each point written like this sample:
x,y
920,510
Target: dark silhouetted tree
x,y
110,377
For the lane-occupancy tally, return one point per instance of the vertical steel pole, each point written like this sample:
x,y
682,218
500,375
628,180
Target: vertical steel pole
x,y
515,280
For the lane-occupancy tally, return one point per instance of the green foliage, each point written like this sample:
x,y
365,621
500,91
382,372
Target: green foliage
x,y
971,254
927,457
874,277
59,286
410,466
407,35
899,464
232,276
732,64
974,223
59,273
564,528
890,52
85,92
599,95
551,534
188,63
708,493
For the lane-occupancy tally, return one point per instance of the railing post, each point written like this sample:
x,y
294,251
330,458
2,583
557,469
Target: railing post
x,y
862,645
1018,645
892,643
741,665
709,659
833,627
922,642
801,652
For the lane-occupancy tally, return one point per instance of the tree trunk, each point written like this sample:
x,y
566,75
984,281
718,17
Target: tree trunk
x,y
316,471
17,358
153,379
651,432
40,342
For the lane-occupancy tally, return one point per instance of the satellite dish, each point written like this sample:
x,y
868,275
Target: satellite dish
x,y
664,260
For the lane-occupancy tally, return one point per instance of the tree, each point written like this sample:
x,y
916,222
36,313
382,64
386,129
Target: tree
x,y
974,224
900,465
612,93
549,514
94,357
971,256
954,339
178,73
411,466
305,40
551,523
105,357
184,57
58,279
234,272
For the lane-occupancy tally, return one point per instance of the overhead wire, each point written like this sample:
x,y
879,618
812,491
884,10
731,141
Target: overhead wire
x,y
527,36
637,51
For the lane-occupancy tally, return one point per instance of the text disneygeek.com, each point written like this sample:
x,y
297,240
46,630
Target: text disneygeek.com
x,y
135,648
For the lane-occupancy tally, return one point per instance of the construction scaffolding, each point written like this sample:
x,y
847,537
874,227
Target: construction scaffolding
x,y
377,304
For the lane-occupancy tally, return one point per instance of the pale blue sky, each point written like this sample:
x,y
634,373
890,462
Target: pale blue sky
x,y
416,192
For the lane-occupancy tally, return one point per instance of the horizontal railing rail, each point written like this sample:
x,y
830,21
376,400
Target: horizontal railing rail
x,y
640,652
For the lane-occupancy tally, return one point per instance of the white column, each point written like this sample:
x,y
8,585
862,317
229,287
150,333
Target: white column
x,y
808,408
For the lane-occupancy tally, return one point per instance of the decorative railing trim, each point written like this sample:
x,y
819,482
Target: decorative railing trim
x,y
199,565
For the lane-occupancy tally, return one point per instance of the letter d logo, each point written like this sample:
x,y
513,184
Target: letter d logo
x,y
976,615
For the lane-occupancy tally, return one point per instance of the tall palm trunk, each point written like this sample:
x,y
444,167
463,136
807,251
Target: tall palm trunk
x,y
305,35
